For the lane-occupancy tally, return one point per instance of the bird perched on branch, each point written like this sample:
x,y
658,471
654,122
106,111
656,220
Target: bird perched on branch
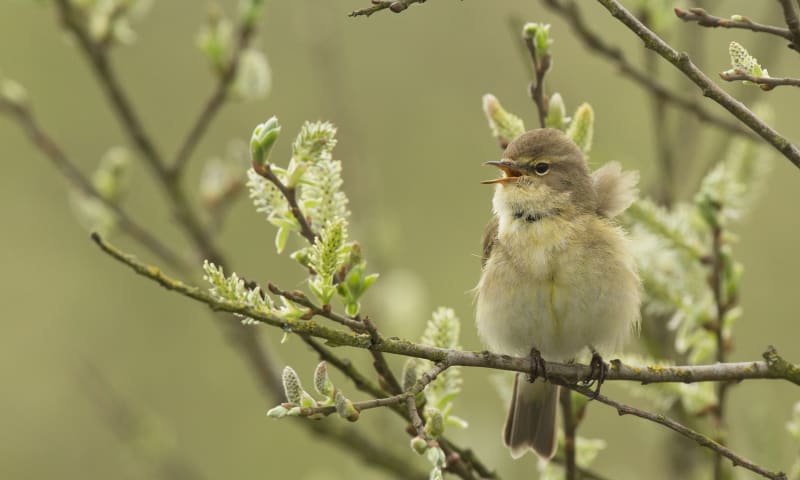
x,y
558,277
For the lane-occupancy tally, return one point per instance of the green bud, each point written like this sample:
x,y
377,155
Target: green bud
x,y
742,60
261,142
249,11
344,407
581,130
435,424
410,373
12,92
109,178
253,77
215,39
322,382
738,18
292,386
556,113
419,445
278,412
294,412
505,126
539,33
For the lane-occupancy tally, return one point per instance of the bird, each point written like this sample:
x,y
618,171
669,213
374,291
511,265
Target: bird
x,y
558,276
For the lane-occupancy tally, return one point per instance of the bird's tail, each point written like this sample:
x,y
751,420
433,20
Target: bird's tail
x,y
531,421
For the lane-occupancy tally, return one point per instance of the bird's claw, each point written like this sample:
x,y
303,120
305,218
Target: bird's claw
x,y
597,373
538,366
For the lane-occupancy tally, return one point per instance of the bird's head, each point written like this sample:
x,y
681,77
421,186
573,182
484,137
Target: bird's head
x,y
544,174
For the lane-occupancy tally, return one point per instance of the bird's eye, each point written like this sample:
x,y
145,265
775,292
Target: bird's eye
x,y
541,168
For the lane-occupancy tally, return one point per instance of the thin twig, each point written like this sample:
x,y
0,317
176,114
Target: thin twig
x,y
705,19
214,102
596,43
24,117
774,367
396,6
711,90
722,306
385,374
790,15
291,198
536,87
765,83
698,437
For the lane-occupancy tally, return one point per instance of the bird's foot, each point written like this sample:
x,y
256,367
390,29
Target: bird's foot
x,y
538,366
597,373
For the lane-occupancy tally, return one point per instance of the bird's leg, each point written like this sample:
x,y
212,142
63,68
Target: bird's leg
x,y
538,367
597,373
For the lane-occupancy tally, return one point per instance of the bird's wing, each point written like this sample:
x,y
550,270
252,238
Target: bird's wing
x,y
616,190
489,238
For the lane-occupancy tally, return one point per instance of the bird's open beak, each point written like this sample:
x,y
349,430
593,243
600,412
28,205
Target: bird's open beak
x,y
510,170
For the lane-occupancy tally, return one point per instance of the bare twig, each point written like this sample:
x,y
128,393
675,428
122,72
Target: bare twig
x,y
214,102
698,437
765,83
396,6
596,43
46,144
705,19
790,15
711,90
774,367
536,87
722,306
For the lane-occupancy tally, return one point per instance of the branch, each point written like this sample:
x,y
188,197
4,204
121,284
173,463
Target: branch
x,y
594,42
790,15
215,101
698,437
711,90
24,117
132,126
774,367
705,19
765,83
396,6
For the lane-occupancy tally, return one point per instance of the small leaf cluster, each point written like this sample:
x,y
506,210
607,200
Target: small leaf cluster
x,y
314,177
298,400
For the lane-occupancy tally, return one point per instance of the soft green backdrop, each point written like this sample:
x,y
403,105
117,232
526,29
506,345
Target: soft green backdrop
x,y
405,91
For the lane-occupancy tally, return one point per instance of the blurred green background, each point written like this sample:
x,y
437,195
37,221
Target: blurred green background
x,y
78,329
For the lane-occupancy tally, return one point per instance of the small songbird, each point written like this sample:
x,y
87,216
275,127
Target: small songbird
x,y
558,277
